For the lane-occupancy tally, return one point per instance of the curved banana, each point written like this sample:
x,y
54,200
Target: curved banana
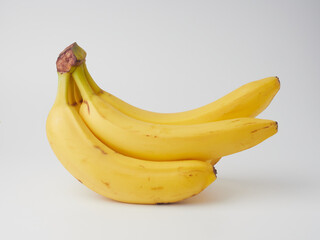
x,y
151,141
114,175
247,101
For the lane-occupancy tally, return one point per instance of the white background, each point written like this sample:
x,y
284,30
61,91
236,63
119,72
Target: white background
x,y
164,56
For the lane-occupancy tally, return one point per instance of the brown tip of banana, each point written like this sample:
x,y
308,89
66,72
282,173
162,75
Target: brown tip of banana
x,y
70,57
278,79
215,171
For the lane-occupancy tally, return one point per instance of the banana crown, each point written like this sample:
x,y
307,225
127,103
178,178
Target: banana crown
x,y
70,57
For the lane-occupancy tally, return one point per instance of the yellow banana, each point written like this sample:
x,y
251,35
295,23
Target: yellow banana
x,y
151,141
112,174
246,101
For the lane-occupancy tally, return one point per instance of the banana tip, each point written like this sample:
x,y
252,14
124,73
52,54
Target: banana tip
x,y
215,170
278,79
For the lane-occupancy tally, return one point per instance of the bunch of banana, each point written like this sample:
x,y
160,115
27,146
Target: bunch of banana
x,y
137,156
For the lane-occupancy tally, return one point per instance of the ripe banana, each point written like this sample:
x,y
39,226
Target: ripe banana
x,y
92,137
110,173
246,101
151,141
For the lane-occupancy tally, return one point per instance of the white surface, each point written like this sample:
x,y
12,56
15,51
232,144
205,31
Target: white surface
x,y
163,56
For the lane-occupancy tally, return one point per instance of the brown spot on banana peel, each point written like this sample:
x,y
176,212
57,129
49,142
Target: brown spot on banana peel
x,y
275,123
79,180
107,184
100,149
148,135
88,107
256,130
154,136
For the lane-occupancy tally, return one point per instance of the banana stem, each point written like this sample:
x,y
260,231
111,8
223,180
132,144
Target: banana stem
x,y
71,95
90,80
76,92
71,61
82,83
63,93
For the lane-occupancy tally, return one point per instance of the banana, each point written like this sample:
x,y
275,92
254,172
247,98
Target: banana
x,y
110,173
160,142
247,101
